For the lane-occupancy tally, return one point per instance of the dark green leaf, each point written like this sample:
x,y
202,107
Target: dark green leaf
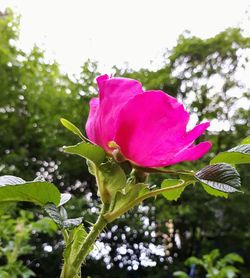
x,y
71,223
238,155
59,215
54,213
14,189
172,194
91,152
222,177
71,127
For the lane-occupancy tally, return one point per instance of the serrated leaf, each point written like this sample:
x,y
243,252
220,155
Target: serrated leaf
x,y
237,155
214,192
246,140
222,177
65,197
15,189
59,215
88,151
71,223
71,127
54,213
174,194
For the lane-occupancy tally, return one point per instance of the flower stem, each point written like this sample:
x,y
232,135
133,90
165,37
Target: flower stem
x,y
113,215
90,239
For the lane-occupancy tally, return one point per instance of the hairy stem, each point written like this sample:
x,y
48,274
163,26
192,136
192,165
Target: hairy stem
x,y
90,239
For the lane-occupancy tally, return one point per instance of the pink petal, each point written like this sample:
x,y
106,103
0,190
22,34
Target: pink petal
x,y
114,93
192,153
151,129
91,122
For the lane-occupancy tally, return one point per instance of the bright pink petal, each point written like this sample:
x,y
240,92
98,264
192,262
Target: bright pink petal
x,y
192,153
91,122
151,130
114,93
197,131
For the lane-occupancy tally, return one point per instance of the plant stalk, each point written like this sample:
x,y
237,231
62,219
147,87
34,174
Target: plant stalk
x,y
90,239
113,215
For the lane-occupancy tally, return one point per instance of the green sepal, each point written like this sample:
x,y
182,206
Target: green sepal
x,y
71,127
88,151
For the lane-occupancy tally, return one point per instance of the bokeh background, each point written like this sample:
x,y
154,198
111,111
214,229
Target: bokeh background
x,y
50,55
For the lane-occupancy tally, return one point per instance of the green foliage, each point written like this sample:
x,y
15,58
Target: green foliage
x,y
213,266
15,234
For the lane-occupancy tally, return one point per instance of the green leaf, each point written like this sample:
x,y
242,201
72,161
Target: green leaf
x,y
111,178
214,192
15,189
221,177
89,151
71,127
131,192
54,213
232,258
174,194
180,274
74,244
44,225
60,217
194,260
238,155
71,223
246,140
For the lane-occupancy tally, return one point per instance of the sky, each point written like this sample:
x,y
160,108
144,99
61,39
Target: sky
x,y
117,32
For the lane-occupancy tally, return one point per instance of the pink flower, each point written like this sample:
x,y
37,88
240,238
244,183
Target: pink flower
x,y
148,126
